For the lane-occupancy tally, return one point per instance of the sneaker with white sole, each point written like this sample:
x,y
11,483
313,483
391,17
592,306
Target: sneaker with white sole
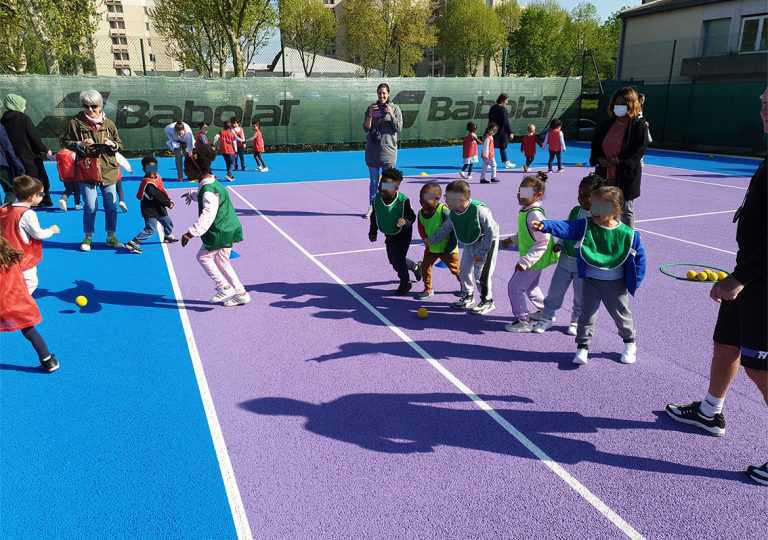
x,y
85,245
229,178
572,329
691,414
238,300
78,207
542,326
539,316
509,165
133,247
170,239
629,356
581,357
465,302
424,295
123,207
265,169
63,204
520,327
758,474
50,364
483,307
463,174
223,295
368,213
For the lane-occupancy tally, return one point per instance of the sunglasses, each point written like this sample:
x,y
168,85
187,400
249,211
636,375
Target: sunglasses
x,y
92,107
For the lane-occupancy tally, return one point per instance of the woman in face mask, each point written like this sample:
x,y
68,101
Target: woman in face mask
x,y
618,147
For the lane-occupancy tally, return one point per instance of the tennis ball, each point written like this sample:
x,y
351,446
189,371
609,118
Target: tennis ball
x,y
81,301
702,276
691,275
422,173
721,276
712,275
422,313
579,164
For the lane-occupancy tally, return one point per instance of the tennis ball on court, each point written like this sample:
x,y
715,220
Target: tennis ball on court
x,y
422,313
691,275
422,173
721,276
579,164
702,276
81,301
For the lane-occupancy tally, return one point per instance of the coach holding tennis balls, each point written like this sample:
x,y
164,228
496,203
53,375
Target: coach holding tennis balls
x,y
741,332
383,122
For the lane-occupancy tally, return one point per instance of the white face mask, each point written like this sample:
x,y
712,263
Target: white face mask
x,y
620,110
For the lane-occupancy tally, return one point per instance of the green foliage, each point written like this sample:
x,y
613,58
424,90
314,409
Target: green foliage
x,y
309,27
470,32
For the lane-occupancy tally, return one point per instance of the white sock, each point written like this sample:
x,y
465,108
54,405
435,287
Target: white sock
x,y
711,405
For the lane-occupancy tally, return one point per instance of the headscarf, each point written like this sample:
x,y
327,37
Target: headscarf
x,y
14,102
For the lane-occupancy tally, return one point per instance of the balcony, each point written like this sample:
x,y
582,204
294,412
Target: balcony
x,y
119,47
121,64
115,16
117,32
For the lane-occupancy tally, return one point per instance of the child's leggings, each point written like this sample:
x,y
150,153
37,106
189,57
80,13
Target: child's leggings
x,y
71,188
489,165
217,265
241,156
229,159
565,274
615,297
529,160
467,168
552,156
37,341
523,288
259,159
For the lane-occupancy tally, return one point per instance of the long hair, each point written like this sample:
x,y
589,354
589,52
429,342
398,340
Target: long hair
x,y
631,97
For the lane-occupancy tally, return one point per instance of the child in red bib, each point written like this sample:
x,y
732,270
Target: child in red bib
x,y
469,151
20,227
154,204
258,147
556,143
18,311
528,146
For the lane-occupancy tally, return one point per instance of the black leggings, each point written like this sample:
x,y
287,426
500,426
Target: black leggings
x,y
503,152
259,159
552,156
229,160
397,249
72,188
241,156
467,168
37,341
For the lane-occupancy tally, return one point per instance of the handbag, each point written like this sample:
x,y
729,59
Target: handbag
x,y
88,168
65,163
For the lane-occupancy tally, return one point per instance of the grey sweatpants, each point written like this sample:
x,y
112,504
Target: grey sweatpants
x,y
565,273
615,297
480,275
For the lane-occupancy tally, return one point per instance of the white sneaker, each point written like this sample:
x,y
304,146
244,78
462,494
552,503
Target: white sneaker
x,y
63,204
78,207
542,326
525,168
483,307
572,328
238,300
463,174
368,213
229,178
123,206
539,316
509,165
223,295
519,327
629,356
264,169
469,177
581,356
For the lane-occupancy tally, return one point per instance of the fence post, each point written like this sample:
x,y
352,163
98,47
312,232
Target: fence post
x,y
666,97
143,60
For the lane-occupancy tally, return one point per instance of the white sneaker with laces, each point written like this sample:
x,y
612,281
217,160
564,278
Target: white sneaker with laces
x,y
519,327
223,295
483,307
509,165
539,316
63,204
572,329
238,300
581,356
123,206
265,169
542,326
629,356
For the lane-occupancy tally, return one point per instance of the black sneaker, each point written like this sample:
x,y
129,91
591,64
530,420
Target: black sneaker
x,y
170,239
484,181
758,474
417,272
691,414
133,247
403,289
50,364
495,180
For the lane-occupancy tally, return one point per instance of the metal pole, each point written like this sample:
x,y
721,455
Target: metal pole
x,y
666,96
597,72
399,61
581,94
282,45
143,60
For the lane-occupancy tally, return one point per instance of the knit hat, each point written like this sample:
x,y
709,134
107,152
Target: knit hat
x,y
14,102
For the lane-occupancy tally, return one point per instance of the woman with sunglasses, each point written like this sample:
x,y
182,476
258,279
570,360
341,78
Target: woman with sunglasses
x,y
91,134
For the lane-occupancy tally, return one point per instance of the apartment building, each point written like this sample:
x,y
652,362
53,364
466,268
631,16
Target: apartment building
x,y
125,43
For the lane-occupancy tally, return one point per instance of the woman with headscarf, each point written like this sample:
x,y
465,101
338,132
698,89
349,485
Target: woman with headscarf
x,y
93,136
26,142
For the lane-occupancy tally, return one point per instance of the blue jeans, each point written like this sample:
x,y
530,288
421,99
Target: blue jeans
x,y
150,224
373,186
90,194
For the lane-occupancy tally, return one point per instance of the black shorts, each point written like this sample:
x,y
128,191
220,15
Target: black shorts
x,y
743,323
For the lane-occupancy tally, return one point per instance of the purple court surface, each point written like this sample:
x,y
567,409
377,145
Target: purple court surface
x,y
344,415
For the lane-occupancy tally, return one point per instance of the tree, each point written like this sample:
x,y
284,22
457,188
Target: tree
x,y
461,43
537,43
246,25
309,27
509,14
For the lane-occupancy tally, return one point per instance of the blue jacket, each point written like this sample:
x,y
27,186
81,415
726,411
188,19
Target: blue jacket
x,y
634,266
8,158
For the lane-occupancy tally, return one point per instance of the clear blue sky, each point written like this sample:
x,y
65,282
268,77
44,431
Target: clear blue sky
x,y
604,7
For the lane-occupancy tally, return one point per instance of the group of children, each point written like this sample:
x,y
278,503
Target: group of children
x,y
553,139
601,257
232,143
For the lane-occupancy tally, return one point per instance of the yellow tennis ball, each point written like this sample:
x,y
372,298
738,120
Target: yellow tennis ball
x,y
721,276
422,313
702,276
712,275
422,173
81,301
691,274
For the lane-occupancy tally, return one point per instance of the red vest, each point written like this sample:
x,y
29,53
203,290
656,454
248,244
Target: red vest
x,y
156,181
17,309
9,229
529,145
553,139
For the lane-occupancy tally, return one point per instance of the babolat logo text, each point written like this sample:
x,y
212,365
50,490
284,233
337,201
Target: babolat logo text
x,y
444,108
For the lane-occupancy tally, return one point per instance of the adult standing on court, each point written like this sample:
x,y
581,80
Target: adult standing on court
x,y
618,147
26,142
741,335
92,135
10,167
383,123
499,116
181,142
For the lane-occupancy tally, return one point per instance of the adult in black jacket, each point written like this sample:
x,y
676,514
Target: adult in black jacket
x,y
499,116
740,332
618,147
26,142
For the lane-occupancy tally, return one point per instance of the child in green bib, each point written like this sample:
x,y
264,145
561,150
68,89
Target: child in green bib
x,y
217,226
430,218
392,214
536,253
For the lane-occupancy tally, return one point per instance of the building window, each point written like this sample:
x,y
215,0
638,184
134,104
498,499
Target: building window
x,y
152,58
117,56
715,41
146,25
115,41
123,41
754,34
118,8
116,24
111,9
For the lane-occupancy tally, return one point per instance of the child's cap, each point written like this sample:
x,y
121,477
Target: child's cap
x,y
148,160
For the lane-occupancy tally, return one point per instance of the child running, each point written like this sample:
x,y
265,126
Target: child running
x,y
566,271
237,129
21,229
536,253
611,263
18,311
478,235
217,226
556,142
258,147
392,214
469,151
528,146
226,140
489,156
431,217
154,204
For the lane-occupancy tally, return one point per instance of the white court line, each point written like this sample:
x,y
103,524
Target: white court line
x,y
240,518
758,160
694,181
348,252
685,216
685,241
555,467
